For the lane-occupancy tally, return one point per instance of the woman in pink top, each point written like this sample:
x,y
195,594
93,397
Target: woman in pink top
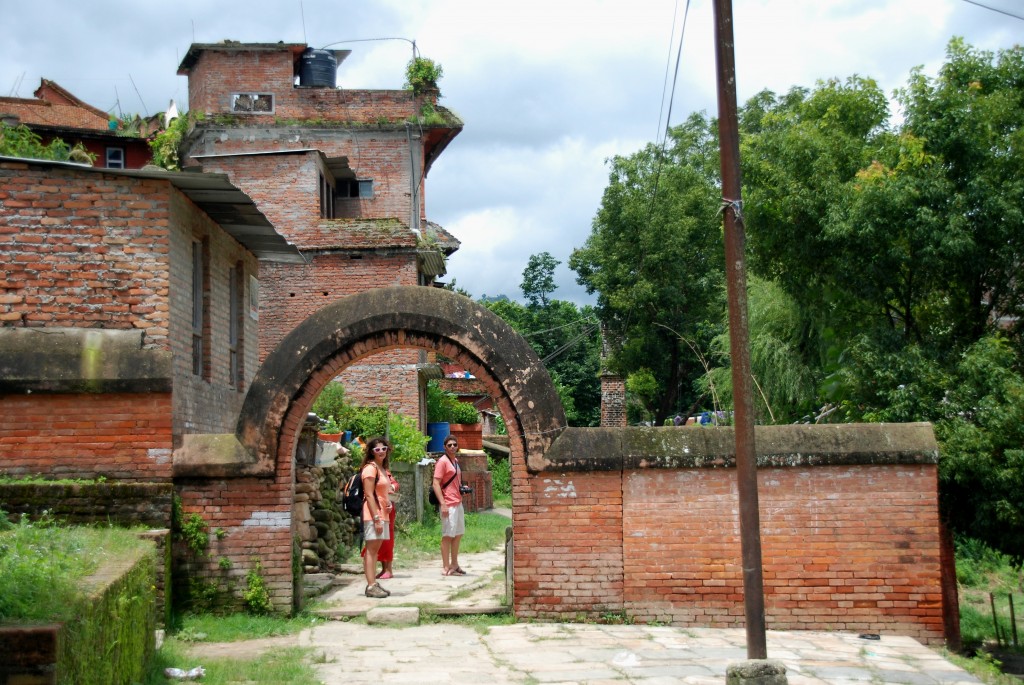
x,y
376,510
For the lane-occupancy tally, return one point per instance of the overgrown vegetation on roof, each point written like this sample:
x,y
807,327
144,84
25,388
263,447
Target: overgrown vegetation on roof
x,y
20,141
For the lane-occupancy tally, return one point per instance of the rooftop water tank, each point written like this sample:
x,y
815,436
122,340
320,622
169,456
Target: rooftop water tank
x,y
317,68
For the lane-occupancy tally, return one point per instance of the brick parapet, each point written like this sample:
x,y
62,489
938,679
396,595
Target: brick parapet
x,y
83,250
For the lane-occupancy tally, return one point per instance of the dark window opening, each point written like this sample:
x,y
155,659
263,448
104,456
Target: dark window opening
x,y
115,158
355,188
262,103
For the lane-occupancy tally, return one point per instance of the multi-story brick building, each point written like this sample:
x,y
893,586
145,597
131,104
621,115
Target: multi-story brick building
x,y
136,306
125,321
340,173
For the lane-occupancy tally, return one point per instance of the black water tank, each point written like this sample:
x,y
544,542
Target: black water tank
x,y
317,68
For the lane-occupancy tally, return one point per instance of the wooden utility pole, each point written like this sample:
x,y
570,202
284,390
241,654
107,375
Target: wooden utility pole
x,y
739,338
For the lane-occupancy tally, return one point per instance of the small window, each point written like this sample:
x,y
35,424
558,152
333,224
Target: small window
x,y
351,187
262,103
115,158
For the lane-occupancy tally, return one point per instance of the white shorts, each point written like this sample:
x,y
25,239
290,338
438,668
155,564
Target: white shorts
x,y
370,533
454,524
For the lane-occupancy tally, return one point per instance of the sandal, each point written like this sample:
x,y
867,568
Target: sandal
x,y
457,571
385,575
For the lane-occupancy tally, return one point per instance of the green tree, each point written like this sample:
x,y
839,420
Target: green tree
x,y
539,279
565,337
655,259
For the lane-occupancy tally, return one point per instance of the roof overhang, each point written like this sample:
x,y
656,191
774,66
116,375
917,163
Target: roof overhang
x,y
229,207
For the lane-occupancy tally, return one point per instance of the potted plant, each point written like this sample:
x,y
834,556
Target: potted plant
x,y
330,431
465,425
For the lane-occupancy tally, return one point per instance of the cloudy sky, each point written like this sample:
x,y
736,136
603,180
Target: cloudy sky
x,y
548,90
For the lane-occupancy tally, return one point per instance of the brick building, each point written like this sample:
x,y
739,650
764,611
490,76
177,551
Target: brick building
x,y
340,173
56,113
124,315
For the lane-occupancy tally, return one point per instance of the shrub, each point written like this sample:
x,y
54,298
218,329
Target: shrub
x,y
409,443
422,74
331,403
256,595
501,477
444,406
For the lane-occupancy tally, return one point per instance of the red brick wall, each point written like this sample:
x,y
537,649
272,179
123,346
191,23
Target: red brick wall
x,y
844,547
84,250
284,186
289,293
255,517
120,436
386,378
218,74
208,405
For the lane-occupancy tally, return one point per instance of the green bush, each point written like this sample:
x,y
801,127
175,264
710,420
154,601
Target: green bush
x,y
422,74
368,421
444,406
331,403
501,477
409,443
980,566
256,595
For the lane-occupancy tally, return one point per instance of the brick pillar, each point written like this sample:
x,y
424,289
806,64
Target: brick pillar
x,y
613,389
613,401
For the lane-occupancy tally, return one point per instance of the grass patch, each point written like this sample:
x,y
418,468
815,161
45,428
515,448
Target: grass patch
x,y
981,570
983,667
42,564
286,665
416,542
481,623
234,627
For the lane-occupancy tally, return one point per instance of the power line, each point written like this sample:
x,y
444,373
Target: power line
x,y
564,326
995,9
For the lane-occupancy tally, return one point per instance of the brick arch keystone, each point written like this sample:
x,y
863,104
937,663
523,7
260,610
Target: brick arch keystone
x,y
408,316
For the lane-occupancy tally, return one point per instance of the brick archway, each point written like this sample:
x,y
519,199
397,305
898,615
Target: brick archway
x,y
345,331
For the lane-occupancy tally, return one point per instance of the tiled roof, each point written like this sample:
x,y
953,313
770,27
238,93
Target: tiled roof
x,y
358,234
55,107
444,240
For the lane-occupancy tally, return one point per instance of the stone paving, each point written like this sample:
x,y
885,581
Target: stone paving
x,y
394,648
589,654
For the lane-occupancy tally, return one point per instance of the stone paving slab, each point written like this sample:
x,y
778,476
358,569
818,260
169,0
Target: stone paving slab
x,y
582,654
577,654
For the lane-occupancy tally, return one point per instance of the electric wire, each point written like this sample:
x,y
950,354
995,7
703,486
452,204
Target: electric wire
x,y
995,9
548,330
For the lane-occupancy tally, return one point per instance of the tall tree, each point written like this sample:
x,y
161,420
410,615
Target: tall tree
x,y
655,259
539,279
563,335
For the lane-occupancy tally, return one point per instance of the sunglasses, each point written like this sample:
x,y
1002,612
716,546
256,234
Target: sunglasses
x,y
380,448
452,444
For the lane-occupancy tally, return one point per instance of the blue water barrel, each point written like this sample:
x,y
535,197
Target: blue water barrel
x,y
437,432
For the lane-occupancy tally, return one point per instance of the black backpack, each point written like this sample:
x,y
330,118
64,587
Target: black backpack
x,y
352,497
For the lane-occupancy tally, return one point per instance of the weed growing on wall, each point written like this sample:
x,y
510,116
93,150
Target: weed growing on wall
x,y
194,532
256,595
